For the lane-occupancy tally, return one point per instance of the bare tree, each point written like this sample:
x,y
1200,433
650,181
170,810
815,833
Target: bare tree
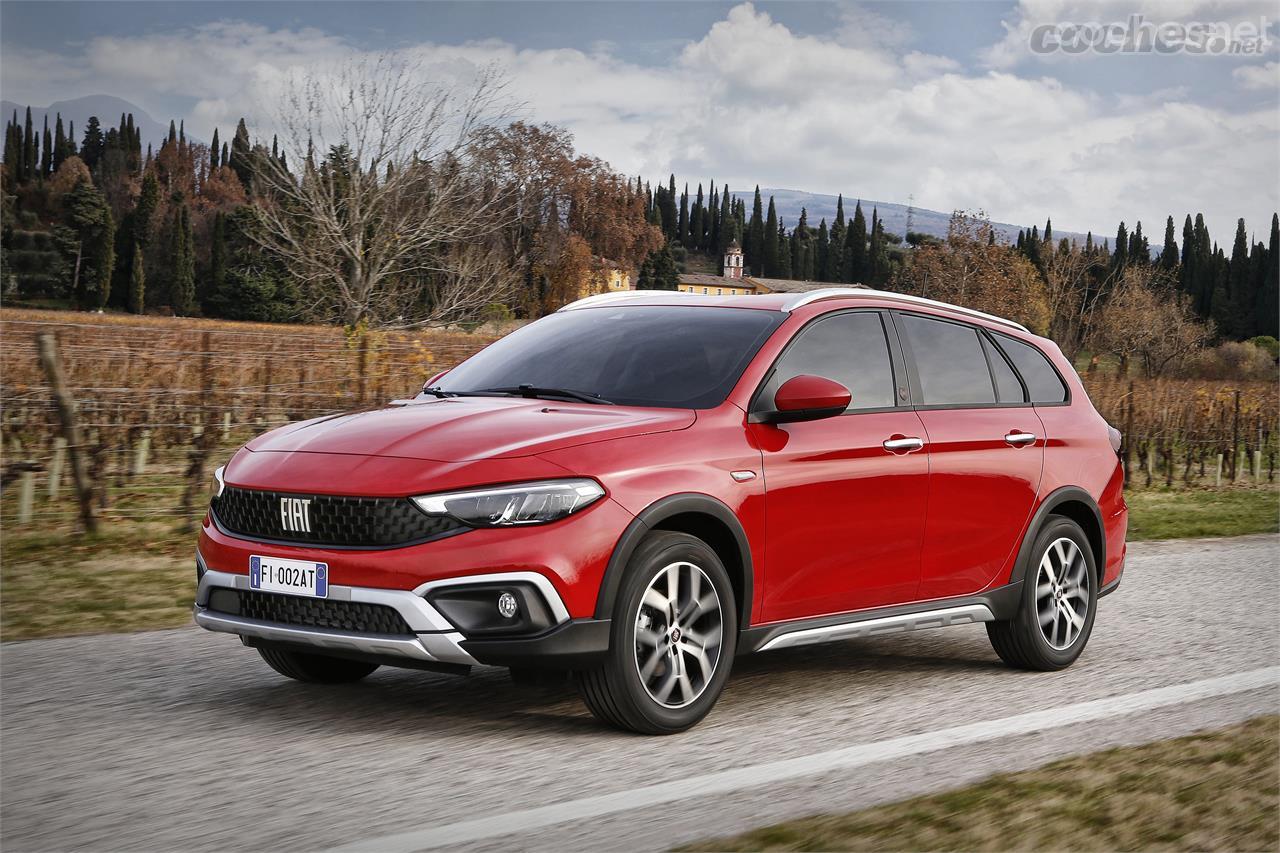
x,y
1146,320
380,206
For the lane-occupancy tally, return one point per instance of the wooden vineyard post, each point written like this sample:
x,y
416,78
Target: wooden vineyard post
x,y
1217,480
47,350
54,484
203,436
1235,436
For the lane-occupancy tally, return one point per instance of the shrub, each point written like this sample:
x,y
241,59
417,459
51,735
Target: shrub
x,y
1232,360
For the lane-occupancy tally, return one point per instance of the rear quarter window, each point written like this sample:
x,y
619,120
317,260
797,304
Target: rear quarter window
x,y
1044,385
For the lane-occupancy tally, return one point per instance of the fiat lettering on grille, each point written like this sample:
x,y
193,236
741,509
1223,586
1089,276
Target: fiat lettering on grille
x,y
295,515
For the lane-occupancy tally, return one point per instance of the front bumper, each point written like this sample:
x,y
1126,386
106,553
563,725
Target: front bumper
x,y
433,641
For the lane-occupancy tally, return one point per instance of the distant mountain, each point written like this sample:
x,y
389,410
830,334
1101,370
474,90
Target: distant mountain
x,y
934,222
107,108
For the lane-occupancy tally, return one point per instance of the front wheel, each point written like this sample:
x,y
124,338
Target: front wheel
x,y
315,669
1059,602
673,639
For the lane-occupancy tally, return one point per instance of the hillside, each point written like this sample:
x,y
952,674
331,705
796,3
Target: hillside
x,y
107,108
820,206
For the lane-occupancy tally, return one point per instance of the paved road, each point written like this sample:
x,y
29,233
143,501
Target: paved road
x,y
183,739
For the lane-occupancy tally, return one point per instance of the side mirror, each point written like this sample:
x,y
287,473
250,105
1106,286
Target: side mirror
x,y
433,380
808,398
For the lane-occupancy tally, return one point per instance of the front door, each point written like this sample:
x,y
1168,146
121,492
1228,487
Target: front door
x,y
845,496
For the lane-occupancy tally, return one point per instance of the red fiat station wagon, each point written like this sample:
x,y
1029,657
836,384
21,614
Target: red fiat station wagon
x,y
644,485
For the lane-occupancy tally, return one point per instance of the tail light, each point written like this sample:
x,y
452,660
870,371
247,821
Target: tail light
x,y
1117,438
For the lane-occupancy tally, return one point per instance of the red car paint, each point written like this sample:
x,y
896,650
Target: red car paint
x,y
834,521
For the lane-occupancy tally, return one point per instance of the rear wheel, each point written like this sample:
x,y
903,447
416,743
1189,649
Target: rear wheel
x,y
315,669
1059,602
673,639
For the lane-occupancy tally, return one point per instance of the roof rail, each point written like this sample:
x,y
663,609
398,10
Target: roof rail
x,y
618,296
801,299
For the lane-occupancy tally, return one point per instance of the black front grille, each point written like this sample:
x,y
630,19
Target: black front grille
x,y
334,520
354,616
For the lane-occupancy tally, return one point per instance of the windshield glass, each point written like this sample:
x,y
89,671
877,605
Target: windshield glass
x,y
683,357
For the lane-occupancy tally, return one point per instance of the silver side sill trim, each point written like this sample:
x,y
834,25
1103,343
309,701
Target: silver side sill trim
x,y
437,639
885,625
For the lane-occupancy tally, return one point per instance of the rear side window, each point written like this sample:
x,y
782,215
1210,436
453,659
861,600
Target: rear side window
x,y
1043,382
1008,388
949,359
848,348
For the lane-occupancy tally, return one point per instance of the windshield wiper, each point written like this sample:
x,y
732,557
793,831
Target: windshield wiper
x,y
534,391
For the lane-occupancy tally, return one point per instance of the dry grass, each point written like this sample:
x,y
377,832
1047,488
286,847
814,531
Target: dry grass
x,y
1211,791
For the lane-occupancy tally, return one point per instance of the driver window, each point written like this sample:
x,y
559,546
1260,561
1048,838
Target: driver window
x,y
848,348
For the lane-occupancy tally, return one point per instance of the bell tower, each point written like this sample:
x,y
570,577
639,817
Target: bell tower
x,y
733,261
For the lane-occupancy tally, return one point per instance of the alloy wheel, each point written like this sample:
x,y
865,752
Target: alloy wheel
x,y
1062,593
679,633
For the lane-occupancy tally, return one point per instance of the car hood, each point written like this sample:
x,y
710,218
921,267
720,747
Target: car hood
x,y
459,429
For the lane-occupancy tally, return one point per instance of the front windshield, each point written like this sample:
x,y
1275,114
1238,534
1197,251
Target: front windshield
x,y
686,357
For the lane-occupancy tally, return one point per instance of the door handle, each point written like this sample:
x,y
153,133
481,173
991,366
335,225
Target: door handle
x,y
897,445
1019,439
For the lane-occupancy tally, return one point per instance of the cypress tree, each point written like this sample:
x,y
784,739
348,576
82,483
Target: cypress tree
x,y
1121,257
1204,268
823,260
770,255
682,223
240,154
1048,231
94,143
696,224
13,149
214,151
754,248
784,250
1238,322
855,248
1169,253
183,292
726,221
46,150
59,143
1267,310
878,259
29,145
217,259
137,283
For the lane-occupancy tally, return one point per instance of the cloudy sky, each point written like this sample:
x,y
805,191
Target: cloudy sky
x,y
940,101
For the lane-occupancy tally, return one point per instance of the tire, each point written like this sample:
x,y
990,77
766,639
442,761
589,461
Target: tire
x,y
315,669
1067,601
676,689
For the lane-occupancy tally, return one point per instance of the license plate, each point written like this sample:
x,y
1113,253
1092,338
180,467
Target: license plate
x,y
293,577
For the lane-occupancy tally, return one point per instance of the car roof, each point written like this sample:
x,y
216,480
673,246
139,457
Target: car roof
x,y
784,302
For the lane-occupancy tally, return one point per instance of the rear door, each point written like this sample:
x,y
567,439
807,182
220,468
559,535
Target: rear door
x,y
986,452
844,513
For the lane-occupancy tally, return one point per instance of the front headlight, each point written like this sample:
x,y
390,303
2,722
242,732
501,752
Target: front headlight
x,y
511,506
218,484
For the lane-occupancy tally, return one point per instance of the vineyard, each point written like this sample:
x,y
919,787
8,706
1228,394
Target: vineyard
x,y
156,399
159,401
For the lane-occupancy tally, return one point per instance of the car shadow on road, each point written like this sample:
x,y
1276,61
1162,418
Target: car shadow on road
x,y
394,700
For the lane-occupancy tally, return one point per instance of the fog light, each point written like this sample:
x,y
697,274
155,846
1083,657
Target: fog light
x,y
507,605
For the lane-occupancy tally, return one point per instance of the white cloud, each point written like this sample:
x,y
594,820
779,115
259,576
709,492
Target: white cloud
x,y
1258,76
751,101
